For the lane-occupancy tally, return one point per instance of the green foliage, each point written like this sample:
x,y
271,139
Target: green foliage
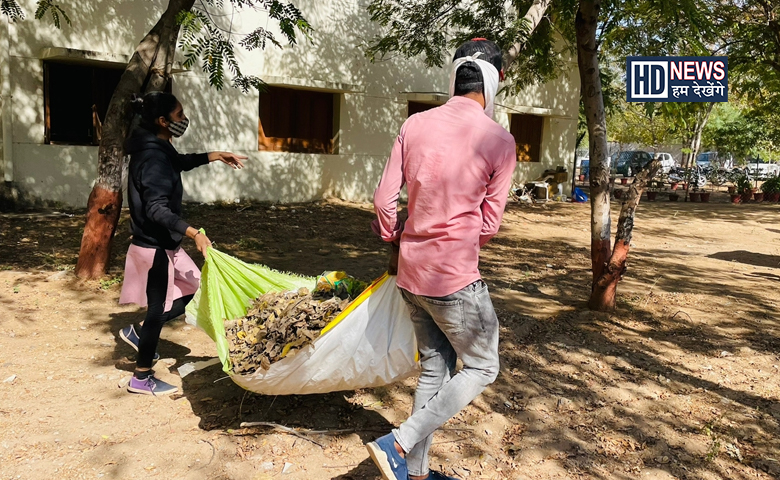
x,y
640,123
658,28
743,184
751,39
432,28
15,13
744,132
204,41
753,46
54,10
715,439
107,283
12,10
771,185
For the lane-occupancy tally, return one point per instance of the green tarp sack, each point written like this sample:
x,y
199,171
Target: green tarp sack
x,y
227,286
371,343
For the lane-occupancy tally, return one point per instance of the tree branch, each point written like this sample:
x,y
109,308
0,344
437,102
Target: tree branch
x,y
532,19
625,225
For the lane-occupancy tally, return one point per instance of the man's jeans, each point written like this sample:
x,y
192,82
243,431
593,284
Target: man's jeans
x,y
462,325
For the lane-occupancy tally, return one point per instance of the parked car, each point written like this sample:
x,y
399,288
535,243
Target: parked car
x,y
628,163
715,160
760,169
667,161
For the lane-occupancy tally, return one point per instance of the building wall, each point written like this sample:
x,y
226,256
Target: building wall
x,y
372,106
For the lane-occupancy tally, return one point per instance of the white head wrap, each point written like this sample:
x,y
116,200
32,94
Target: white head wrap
x,y
489,79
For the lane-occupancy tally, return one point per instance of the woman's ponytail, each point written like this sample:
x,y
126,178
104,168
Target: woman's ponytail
x,y
152,106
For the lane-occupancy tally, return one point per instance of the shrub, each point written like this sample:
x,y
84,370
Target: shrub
x,y
772,185
743,184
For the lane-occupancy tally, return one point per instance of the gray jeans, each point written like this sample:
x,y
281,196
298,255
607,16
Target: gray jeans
x,y
462,325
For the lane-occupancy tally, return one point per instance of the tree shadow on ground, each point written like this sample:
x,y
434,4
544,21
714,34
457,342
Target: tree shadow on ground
x,y
749,258
221,405
677,382
550,362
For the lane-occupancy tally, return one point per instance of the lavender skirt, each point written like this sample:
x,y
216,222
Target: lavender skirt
x,y
183,275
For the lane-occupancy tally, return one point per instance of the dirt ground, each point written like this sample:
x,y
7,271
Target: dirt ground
x,y
680,382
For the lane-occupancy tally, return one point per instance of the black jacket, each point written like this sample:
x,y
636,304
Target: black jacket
x,y
154,189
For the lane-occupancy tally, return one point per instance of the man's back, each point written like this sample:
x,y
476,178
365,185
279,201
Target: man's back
x,y
457,164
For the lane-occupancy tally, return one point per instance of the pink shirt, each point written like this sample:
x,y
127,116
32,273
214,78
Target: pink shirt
x,y
457,165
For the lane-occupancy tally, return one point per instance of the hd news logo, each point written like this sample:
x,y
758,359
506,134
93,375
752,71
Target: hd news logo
x,y
677,79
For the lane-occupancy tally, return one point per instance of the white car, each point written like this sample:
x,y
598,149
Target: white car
x,y
667,161
762,169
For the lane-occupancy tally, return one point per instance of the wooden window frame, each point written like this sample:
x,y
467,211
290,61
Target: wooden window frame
x,y
300,144
93,73
419,107
524,153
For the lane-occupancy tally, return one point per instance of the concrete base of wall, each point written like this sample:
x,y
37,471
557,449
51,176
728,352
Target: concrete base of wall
x,y
14,198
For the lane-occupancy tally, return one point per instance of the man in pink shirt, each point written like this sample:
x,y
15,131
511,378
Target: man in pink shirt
x,y
457,165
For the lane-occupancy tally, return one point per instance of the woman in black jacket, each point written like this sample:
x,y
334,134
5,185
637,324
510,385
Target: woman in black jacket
x,y
158,273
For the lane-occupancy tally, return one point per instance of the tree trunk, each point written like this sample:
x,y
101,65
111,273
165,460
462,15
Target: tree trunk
x,y
586,24
687,136
580,137
148,70
696,140
605,286
532,17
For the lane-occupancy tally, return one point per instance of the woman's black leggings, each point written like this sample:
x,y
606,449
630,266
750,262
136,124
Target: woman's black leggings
x,y
156,316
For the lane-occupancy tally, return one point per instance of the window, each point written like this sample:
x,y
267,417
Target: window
x,y
527,130
70,92
300,121
417,107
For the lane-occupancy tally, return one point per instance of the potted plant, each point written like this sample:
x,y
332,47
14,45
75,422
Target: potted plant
x,y
652,195
733,177
673,197
716,178
771,189
652,192
690,184
744,188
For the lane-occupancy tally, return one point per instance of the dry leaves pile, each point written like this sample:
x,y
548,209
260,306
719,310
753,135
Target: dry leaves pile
x,y
276,324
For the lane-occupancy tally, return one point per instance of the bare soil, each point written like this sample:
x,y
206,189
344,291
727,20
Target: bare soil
x,y
680,382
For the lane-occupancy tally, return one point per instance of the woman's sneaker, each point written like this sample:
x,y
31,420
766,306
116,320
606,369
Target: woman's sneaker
x,y
387,458
131,338
150,386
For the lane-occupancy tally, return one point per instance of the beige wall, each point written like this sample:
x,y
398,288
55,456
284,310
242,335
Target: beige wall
x,y
372,107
